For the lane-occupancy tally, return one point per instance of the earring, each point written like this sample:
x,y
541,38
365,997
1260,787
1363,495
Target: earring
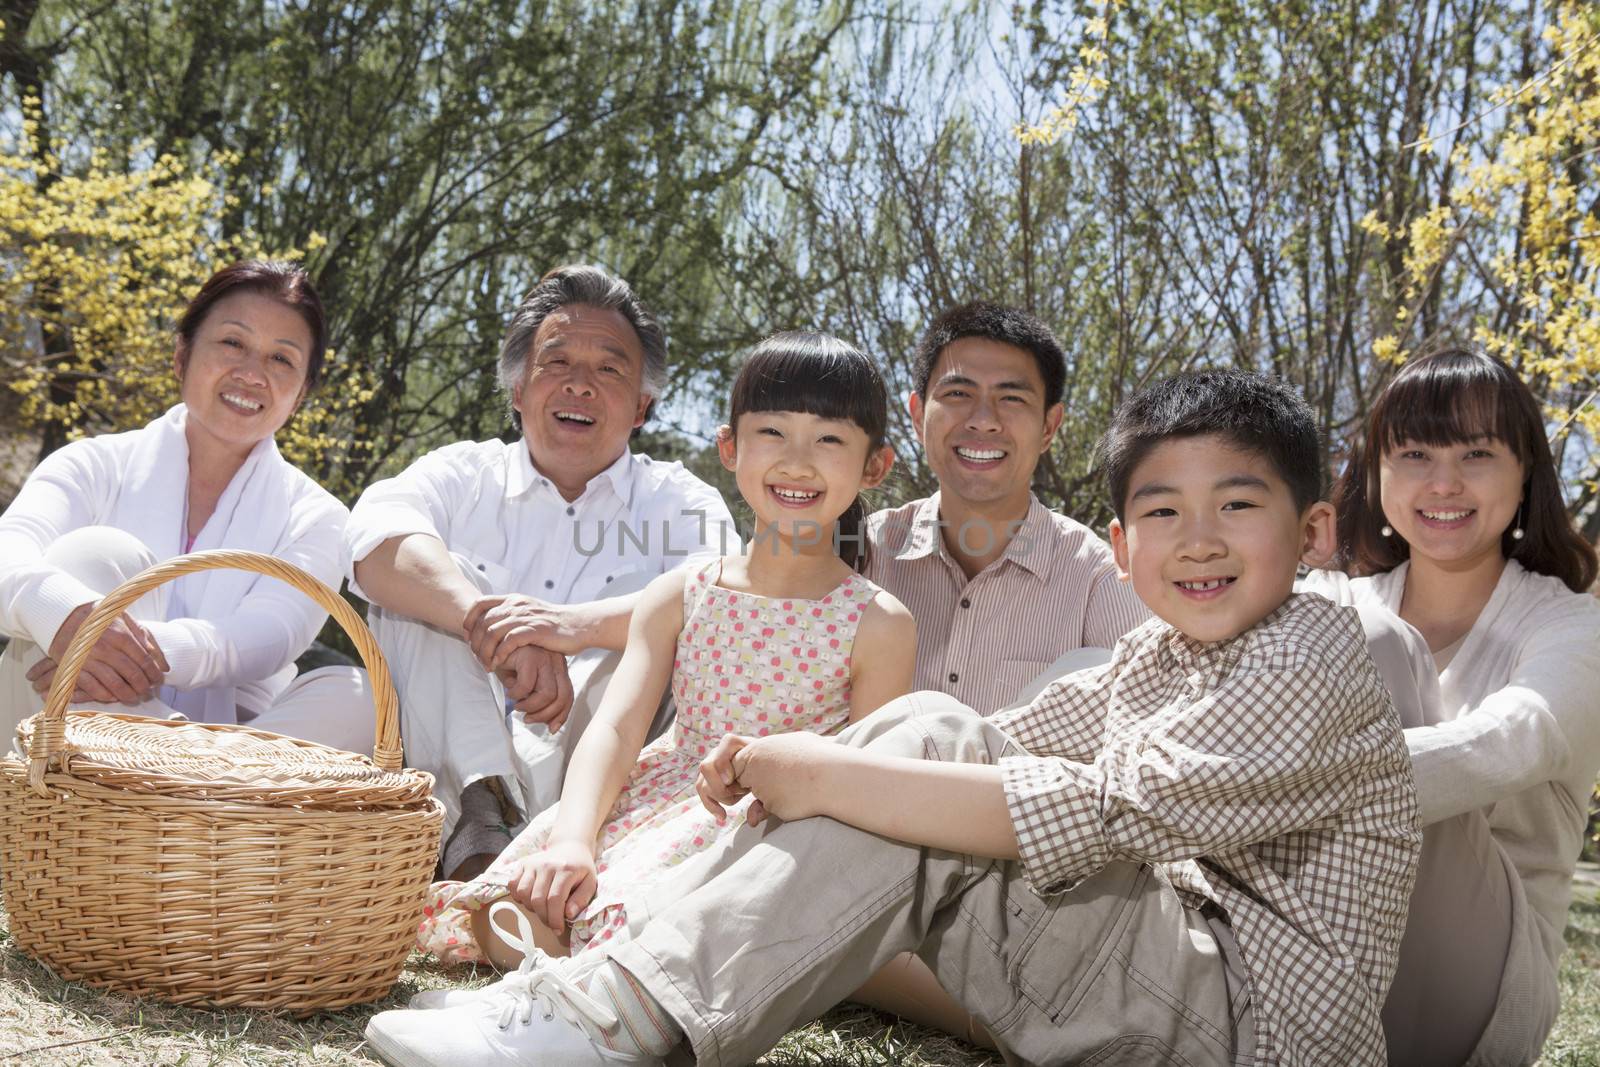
x,y
1516,531
1386,530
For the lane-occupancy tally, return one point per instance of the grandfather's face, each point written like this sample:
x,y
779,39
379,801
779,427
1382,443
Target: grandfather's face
x,y
581,394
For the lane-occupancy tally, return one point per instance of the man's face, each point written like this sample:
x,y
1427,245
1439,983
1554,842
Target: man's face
x,y
1210,536
582,394
983,422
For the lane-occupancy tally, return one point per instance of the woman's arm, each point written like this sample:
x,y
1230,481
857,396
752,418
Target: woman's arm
x,y
1541,724
43,603
59,496
884,656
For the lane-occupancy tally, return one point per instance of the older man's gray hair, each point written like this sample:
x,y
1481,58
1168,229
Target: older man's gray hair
x,y
596,288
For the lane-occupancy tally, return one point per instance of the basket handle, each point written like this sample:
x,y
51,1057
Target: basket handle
x,y
50,737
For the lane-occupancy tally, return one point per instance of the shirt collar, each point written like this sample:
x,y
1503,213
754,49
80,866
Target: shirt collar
x,y
925,539
1190,654
522,477
1029,547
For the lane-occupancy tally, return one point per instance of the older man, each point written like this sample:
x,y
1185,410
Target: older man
x,y
1003,589
489,563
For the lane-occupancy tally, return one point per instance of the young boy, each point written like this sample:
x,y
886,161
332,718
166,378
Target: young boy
x,y
1199,853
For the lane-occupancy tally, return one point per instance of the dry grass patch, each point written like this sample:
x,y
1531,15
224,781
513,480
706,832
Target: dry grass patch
x,y
46,1022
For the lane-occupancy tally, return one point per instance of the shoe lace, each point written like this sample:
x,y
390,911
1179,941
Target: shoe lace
x,y
541,980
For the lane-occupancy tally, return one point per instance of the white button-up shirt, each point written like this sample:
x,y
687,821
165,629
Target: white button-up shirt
x,y
636,519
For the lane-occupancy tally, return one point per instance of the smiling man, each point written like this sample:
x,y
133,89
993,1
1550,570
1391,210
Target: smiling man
x,y
1001,586
489,563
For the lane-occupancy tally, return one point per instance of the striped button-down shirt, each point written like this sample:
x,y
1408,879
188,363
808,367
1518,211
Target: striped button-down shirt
x,y
1266,774
1055,589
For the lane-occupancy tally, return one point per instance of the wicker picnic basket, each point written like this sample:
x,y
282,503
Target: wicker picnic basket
x,y
214,865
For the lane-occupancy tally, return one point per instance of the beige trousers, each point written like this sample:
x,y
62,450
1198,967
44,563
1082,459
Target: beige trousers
x,y
784,922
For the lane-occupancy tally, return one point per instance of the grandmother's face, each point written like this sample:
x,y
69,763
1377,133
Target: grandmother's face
x,y
244,372
581,395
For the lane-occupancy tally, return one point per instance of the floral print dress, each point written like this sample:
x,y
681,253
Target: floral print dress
x,y
744,664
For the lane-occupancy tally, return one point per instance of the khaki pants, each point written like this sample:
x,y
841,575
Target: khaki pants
x,y
787,921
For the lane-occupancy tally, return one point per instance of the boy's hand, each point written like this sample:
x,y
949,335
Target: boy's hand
x,y
718,784
783,771
555,884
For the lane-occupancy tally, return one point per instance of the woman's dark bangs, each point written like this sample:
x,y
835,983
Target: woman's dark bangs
x,y
1449,402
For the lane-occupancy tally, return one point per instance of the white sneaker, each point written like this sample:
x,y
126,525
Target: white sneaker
x,y
540,1027
537,1014
434,999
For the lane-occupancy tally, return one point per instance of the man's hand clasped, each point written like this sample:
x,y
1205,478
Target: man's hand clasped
x,y
780,771
525,642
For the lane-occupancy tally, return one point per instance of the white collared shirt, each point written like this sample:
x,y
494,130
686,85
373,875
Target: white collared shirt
x,y
485,500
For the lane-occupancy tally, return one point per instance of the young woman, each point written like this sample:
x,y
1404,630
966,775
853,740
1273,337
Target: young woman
x,y
217,646
1451,515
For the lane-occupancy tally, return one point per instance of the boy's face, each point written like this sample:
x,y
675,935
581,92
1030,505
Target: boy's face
x,y
1211,536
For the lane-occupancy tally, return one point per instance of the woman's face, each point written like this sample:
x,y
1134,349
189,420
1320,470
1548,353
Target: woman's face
x,y
245,370
1451,503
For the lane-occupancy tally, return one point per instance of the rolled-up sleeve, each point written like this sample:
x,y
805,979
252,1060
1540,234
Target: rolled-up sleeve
x,y
422,499
1260,755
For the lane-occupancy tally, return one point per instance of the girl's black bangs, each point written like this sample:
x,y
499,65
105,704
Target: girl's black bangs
x,y
828,385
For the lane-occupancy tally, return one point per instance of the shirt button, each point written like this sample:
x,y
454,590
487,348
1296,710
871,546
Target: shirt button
x,y
966,603
609,577
572,511
480,566
954,677
548,584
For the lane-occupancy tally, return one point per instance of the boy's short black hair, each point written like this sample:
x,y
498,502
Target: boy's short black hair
x,y
992,322
1253,412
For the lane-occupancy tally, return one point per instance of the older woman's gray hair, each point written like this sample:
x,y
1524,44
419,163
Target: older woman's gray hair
x,y
593,287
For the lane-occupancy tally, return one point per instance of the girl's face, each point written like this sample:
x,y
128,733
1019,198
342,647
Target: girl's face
x,y
800,472
1451,503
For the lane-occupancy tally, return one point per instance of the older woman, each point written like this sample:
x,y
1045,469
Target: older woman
x,y
1451,515
218,646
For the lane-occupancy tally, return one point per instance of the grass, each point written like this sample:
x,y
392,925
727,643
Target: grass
x,y
46,1022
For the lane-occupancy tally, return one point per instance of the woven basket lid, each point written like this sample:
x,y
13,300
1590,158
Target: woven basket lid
x,y
236,764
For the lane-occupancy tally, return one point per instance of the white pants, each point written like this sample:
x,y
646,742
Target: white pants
x,y
331,706
453,718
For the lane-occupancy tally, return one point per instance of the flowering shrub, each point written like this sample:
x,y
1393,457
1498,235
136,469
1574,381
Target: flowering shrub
x,y
96,264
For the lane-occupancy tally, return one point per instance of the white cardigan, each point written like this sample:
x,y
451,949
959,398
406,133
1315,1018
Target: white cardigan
x,y
230,637
1517,732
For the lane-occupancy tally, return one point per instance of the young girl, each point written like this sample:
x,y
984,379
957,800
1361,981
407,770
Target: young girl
x,y
788,636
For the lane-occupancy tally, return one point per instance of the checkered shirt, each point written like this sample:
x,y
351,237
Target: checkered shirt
x,y
1266,774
